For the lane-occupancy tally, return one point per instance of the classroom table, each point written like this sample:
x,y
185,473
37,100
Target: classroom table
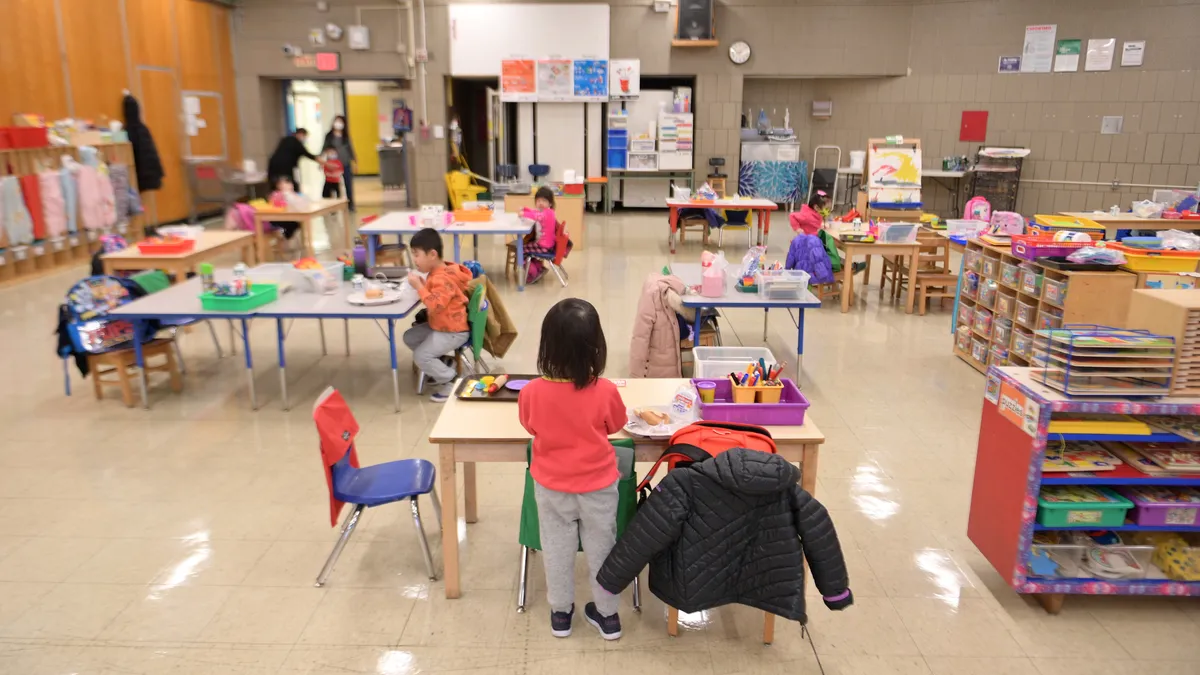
x,y
177,265
616,176
489,431
951,181
689,273
399,224
181,301
761,207
852,249
301,305
317,208
1128,221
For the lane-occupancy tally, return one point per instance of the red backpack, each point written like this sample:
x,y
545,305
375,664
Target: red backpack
x,y
699,441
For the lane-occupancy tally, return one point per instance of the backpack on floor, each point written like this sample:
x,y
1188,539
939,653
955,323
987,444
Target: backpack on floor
x,y
702,440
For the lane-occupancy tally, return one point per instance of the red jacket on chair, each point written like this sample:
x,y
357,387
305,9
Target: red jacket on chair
x,y
336,428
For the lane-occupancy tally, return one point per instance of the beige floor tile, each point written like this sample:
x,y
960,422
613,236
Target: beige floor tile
x,y
136,561
962,627
213,563
199,660
263,616
454,623
923,573
48,558
72,612
164,614
17,597
359,617
871,627
1071,666
958,665
44,659
874,665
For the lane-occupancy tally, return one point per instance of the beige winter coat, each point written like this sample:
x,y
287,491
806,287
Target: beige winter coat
x,y
654,350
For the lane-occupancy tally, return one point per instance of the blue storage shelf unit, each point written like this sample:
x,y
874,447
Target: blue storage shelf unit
x,y
1127,527
618,149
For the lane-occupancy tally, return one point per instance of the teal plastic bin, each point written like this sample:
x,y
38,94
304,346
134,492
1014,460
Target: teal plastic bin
x,y
259,295
1080,505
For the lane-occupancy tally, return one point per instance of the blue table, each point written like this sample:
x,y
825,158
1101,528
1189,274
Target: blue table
x,y
400,224
182,301
689,273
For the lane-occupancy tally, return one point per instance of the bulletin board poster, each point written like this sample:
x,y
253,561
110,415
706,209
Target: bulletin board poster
x,y
1037,55
624,79
555,80
591,80
518,80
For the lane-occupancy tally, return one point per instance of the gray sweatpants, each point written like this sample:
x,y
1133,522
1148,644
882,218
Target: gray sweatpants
x,y
429,346
567,519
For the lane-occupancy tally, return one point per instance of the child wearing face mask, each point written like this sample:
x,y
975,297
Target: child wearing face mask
x,y
338,140
334,171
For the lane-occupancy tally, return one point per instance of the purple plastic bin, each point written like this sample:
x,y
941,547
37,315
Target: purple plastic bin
x,y
788,412
1157,505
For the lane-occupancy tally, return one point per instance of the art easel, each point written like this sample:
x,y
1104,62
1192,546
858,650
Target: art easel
x,y
874,145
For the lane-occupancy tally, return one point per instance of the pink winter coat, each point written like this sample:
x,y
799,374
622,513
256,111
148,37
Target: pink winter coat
x,y
54,209
806,220
654,350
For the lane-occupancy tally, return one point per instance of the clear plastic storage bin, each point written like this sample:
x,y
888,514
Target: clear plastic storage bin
x,y
716,362
897,233
1086,561
1055,290
1026,313
1010,274
782,284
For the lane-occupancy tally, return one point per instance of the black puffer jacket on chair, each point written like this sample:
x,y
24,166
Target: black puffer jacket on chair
x,y
732,529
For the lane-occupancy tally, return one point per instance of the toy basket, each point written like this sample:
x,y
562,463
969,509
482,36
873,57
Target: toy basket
x,y
788,410
165,248
1031,247
472,215
259,295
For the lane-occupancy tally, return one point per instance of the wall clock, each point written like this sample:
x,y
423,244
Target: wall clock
x,y
739,52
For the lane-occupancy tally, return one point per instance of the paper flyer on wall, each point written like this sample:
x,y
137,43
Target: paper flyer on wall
x,y
590,80
624,79
555,80
1132,53
1100,54
1009,64
1066,56
1038,53
518,80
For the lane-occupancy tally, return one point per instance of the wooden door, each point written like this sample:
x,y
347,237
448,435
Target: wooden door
x,y
160,112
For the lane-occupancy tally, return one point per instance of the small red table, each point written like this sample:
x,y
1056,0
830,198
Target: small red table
x,y
762,207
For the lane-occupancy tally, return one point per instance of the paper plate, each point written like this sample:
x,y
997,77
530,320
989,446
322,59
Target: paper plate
x,y
360,298
638,427
516,385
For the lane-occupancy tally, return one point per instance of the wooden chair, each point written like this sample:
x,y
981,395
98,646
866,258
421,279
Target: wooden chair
x,y
119,363
695,223
933,257
935,285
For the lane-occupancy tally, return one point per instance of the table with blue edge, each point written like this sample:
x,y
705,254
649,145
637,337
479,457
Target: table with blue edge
x,y
689,273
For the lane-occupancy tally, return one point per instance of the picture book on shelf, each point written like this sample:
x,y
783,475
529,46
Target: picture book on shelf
x,y
1079,456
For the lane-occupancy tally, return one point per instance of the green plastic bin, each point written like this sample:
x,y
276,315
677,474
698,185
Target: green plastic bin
x,y
1078,505
260,294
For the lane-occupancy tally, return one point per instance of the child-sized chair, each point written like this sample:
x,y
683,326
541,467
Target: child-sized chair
x,y
119,361
553,260
736,220
390,254
477,322
368,486
530,535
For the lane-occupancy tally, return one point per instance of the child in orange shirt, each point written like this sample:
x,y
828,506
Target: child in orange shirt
x,y
571,412
444,292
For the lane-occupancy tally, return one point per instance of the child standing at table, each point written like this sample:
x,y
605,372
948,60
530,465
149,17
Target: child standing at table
x,y
571,411
444,292
334,169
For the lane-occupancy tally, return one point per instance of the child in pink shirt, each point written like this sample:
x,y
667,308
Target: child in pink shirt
x,y
810,216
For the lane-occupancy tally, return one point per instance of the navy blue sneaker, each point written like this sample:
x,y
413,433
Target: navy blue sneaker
x,y
439,396
609,626
560,623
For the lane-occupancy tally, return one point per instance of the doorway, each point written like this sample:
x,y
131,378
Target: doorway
x,y
312,105
483,140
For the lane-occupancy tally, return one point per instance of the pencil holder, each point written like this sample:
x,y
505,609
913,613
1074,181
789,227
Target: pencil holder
x,y
769,392
742,394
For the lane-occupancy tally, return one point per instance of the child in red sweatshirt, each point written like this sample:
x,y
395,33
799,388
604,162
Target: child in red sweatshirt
x,y
444,292
570,412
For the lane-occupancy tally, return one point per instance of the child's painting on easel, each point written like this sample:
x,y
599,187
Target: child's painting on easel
x,y
894,172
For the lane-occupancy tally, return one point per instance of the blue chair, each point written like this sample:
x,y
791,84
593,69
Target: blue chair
x,y
539,171
378,485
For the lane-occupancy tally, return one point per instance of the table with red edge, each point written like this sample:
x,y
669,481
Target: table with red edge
x,y
761,207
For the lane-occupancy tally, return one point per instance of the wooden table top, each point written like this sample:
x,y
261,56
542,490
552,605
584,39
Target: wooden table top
x,y
315,207
493,422
206,242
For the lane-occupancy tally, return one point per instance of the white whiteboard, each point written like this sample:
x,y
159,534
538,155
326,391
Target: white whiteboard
x,y
482,35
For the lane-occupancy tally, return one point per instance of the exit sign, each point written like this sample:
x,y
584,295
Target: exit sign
x,y
329,62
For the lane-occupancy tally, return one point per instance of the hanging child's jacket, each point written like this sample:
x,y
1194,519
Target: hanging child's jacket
x,y
807,253
18,224
70,192
54,211
654,349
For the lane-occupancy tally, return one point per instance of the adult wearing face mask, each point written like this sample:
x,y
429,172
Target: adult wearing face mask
x,y
339,141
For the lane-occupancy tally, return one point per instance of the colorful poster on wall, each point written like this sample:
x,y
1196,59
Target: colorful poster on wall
x,y
591,80
1009,64
1066,56
1038,53
624,79
518,80
555,80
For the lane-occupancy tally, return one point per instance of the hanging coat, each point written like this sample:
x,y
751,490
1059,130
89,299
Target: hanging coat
x,y
336,429
108,198
91,199
807,253
32,192
17,221
654,349
53,209
147,165
70,195
119,175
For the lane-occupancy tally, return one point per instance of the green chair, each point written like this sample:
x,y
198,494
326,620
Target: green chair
x,y
530,536
477,311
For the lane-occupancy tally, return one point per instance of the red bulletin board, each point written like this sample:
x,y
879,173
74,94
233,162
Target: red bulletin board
x,y
974,126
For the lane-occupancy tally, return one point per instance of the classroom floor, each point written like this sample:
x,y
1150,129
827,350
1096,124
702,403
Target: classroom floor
x,y
186,539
